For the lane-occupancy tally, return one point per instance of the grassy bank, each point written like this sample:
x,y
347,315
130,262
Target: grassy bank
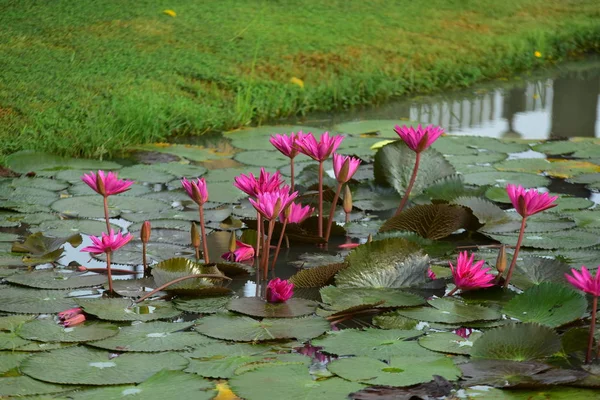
x,y
88,78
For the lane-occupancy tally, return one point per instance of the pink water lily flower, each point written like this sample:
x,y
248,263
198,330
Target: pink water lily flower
x,y
265,182
107,243
106,184
196,190
286,143
77,319
271,204
344,167
419,139
469,276
243,252
70,313
463,332
279,291
431,274
296,214
585,281
529,201
318,150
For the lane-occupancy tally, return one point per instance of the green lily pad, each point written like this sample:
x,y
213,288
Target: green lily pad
x,y
394,164
11,322
8,237
29,301
358,146
157,387
222,349
39,183
533,271
126,310
28,161
559,147
376,128
245,329
344,298
559,168
258,138
10,361
56,279
549,304
316,276
11,341
401,371
174,268
92,206
448,342
451,312
497,178
569,239
47,330
181,170
292,382
555,393
65,227
268,159
131,254
25,386
181,225
85,366
393,263
391,320
153,337
205,305
517,342
192,153
146,173
225,192
463,145
257,307
228,367
376,343
41,246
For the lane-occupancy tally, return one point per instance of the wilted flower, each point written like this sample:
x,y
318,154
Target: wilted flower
x,y
107,243
70,313
585,281
243,252
77,319
468,276
270,204
196,190
321,150
279,291
529,202
286,143
344,167
296,214
419,139
106,184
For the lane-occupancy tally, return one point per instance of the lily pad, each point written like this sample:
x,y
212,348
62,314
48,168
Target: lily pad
x,y
205,305
291,382
222,349
549,304
268,159
258,138
569,239
537,270
463,145
180,170
85,366
153,337
245,329
343,298
451,312
401,371
517,342
316,276
92,206
66,227
192,153
29,301
126,310
448,342
376,128
56,279
131,254
47,330
11,322
25,386
146,173
257,307
28,161
39,183
10,361
235,365
174,268
41,246
497,178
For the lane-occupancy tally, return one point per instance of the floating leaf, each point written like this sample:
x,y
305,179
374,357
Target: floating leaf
x,y
131,254
28,161
448,342
463,145
394,164
58,228
221,349
126,310
92,206
401,371
193,153
25,386
391,320
11,322
39,183
245,329
258,138
85,366
268,159
517,342
56,279
235,365
206,305
537,270
153,337
43,247
10,361
29,301
344,298
504,178
432,221
569,239
549,304
257,307
451,312
316,276
47,330
376,128
450,188
174,268
292,382
501,373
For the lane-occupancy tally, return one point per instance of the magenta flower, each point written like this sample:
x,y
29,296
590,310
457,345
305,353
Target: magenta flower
x,y
296,214
279,291
431,274
70,313
252,186
77,319
463,332
243,252
107,243
419,139
196,190
271,204
529,202
106,184
344,167
321,150
468,276
585,281
286,143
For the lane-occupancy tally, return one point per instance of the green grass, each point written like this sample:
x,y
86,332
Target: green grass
x,y
92,77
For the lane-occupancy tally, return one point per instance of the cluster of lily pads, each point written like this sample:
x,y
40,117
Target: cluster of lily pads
x,y
393,296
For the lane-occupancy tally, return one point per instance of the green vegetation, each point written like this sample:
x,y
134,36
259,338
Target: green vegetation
x,y
90,78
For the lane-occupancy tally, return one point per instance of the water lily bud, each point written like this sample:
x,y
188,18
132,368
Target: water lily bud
x,y
195,235
501,259
145,233
101,189
232,242
196,195
347,204
343,173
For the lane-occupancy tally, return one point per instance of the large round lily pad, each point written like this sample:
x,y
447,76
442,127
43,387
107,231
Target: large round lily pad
x,y
47,330
204,305
567,239
93,206
56,279
256,307
235,365
126,310
343,298
85,366
448,342
30,301
258,138
504,178
154,337
450,312
245,329
25,386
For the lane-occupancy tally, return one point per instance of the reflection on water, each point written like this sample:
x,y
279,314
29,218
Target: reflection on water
x,y
562,103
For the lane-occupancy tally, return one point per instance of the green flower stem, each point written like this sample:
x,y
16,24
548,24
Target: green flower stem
x,y
588,354
320,220
174,281
203,232
332,211
413,178
281,236
106,216
516,253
